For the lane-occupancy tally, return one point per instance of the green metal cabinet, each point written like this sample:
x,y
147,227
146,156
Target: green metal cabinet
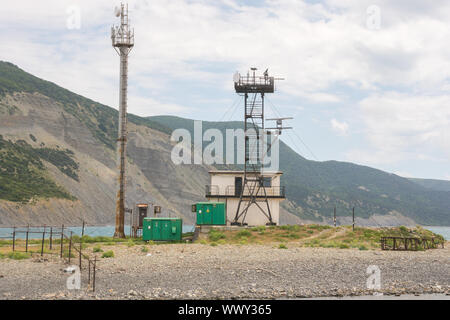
x,y
162,229
211,213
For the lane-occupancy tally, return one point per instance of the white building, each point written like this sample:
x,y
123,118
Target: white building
x,y
226,187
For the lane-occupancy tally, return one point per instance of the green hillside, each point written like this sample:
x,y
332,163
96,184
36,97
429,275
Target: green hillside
x,y
314,187
437,185
23,175
317,187
101,120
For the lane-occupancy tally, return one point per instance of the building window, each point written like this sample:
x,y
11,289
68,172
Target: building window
x,y
267,182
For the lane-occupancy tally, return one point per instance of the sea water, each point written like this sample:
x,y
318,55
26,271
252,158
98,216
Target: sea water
x,y
93,231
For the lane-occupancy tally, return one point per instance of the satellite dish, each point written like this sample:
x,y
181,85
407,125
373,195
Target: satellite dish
x,y
117,11
236,77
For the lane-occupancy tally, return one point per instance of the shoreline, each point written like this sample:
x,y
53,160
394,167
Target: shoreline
x,y
196,271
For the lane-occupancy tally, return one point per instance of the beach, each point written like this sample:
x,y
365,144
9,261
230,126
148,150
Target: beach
x,y
198,271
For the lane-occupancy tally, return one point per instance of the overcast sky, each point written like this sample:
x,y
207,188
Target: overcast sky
x,y
367,81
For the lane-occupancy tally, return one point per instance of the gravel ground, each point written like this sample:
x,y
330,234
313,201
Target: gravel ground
x,y
195,271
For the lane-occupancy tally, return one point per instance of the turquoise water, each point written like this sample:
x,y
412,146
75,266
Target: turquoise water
x,y
106,231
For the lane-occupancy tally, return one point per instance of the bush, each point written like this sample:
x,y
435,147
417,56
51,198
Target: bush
x,y
282,246
243,233
130,243
362,247
144,249
343,246
97,249
18,255
214,244
403,229
215,235
108,254
259,229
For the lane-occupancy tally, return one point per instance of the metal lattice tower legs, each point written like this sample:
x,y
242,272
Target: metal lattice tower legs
x,y
253,192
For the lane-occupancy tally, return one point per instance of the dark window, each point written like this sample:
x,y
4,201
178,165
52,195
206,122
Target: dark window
x,y
267,182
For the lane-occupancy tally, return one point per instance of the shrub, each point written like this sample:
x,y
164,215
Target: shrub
x,y
259,229
97,249
362,247
215,235
282,246
244,233
343,246
214,244
144,249
403,229
130,243
108,254
18,255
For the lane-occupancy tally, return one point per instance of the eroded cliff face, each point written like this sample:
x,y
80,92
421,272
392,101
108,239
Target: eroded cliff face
x,y
151,177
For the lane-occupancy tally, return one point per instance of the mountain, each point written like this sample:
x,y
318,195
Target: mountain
x,y
58,159
437,185
58,165
315,188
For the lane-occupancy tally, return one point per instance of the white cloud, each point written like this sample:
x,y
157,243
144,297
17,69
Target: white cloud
x,y
324,51
339,127
406,123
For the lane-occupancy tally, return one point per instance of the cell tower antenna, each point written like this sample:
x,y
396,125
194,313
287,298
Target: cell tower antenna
x,y
253,191
123,42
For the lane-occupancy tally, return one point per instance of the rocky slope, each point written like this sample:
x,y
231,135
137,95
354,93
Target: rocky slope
x,y
73,177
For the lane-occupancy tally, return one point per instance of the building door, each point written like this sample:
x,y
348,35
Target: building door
x,y
237,186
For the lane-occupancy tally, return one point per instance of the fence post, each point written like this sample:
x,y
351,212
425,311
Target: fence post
x,y
82,230
62,241
95,265
43,239
81,243
70,246
26,242
353,226
51,238
334,217
14,238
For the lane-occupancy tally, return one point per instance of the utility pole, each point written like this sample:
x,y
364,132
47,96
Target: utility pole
x,y
123,42
353,226
334,219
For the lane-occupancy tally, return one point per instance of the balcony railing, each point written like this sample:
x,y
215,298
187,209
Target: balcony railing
x,y
232,191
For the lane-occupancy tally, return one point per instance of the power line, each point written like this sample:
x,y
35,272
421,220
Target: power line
x,y
294,131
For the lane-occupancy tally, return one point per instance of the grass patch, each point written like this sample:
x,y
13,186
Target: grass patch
x,y
144,249
282,246
244,233
19,255
97,249
108,254
215,235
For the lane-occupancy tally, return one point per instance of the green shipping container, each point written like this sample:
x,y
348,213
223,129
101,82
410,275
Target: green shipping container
x,y
162,229
211,213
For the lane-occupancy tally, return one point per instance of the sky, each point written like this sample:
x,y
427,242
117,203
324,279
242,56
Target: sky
x,y
366,81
